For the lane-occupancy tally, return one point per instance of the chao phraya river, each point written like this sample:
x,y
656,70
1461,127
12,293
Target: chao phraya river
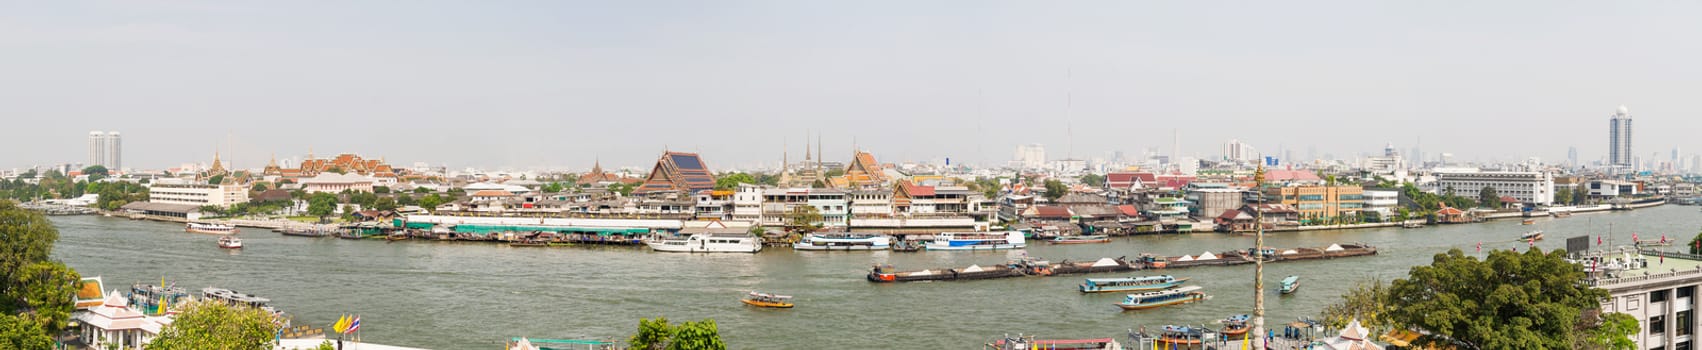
x,y
474,295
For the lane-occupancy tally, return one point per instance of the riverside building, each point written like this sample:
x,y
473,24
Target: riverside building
x,y
1526,186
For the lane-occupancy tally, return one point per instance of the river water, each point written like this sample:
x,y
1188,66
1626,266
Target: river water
x,y
474,295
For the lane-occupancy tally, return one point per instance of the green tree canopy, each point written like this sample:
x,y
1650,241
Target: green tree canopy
x,y
732,181
430,202
18,332
1509,300
215,325
659,335
1562,197
26,238
1094,180
386,203
803,219
1366,302
1614,332
1055,189
1487,198
36,294
380,189
96,172
321,205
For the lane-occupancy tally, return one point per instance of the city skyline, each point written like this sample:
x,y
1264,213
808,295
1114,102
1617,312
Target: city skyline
x,y
534,86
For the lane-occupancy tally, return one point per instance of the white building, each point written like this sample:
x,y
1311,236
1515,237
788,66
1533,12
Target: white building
x,y
1526,186
114,152
1237,151
114,323
1611,188
1619,138
97,148
197,194
1382,201
1030,156
337,183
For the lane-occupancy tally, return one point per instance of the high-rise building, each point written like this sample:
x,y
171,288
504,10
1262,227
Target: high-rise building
x,y
114,152
97,148
1696,163
1619,138
1572,156
1237,151
1030,156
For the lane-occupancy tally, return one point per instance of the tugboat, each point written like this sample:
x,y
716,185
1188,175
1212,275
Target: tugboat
x,y
230,242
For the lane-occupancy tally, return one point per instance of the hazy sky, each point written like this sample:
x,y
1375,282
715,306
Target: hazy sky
x,y
560,83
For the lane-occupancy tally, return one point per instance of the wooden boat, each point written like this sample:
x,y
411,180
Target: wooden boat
x,y
1080,239
768,300
1150,300
1235,325
1560,214
216,229
978,241
973,272
1531,236
815,241
304,232
1130,284
1290,284
230,242
1528,222
1180,337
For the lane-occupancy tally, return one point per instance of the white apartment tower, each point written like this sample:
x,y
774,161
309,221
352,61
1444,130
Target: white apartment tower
x,y
106,149
97,148
1619,138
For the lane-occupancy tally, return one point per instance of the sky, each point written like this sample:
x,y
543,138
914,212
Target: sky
x,y
518,84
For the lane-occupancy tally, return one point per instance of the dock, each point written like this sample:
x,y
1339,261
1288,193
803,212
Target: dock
x,y
1041,268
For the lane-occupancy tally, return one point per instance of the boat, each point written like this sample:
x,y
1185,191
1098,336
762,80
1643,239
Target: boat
x,y
217,229
886,274
768,300
230,242
1413,225
1528,222
1560,214
1290,284
1180,337
1080,239
1531,236
1029,342
303,232
1234,325
529,243
816,241
1162,298
977,241
706,243
1130,284
238,299
154,300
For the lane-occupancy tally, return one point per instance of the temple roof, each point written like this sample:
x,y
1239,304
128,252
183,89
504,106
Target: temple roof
x,y
679,172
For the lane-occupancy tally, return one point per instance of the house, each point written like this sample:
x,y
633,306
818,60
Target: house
x,y
1273,214
1235,221
1450,215
113,323
1047,213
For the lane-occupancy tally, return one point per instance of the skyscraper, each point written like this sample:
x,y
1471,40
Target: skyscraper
x,y
1572,156
114,152
97,148
1619,138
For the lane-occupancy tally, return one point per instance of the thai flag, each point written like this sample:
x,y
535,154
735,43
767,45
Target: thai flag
x,y
353,325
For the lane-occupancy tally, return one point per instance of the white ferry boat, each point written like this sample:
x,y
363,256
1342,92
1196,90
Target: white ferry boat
x,y
230,242
977,241
843,242
707,243
217,229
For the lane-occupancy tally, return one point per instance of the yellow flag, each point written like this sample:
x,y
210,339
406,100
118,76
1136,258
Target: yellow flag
x,y
342,323
1244,339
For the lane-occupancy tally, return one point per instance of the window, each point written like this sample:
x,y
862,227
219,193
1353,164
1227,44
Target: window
x,y
1658,325
1683,345
1687,292
1658,296
1686,321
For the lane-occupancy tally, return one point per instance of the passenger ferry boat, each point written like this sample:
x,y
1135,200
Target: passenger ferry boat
x,y
1162,298
768,300
707,243
977,241
238,299
1235,325
1531,236
1080,239
1528,222
843,242
1290,284
230,242
1130,284
217,229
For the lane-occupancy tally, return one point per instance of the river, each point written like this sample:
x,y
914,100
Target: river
x,y
445,295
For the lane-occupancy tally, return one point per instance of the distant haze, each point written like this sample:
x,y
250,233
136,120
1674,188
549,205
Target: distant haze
x,y
561,83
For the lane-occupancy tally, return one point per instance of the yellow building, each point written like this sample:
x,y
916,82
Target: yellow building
x,y
1320,204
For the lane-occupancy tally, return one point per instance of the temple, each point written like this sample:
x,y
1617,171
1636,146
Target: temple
x,y
862,172
598,177
343,163
678,172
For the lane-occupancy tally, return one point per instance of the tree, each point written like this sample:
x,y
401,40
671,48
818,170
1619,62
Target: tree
x,y
1366,302
380,189
26,238
18,332
29,174
215,325
1696,244
430,202
322,205
384,204
1093,180
732,181
1487,198
216,179
803,219
48,292
259,186
404,199
96,172
835,172
1580,195
658,335
553,187
348,212
1563,197
422,190
1055,189
1614,332
1509,300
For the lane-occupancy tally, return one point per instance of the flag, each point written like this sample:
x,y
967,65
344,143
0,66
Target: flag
x,y
1598,240
1479,247
1633,236
1245,340
342,324
353,325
